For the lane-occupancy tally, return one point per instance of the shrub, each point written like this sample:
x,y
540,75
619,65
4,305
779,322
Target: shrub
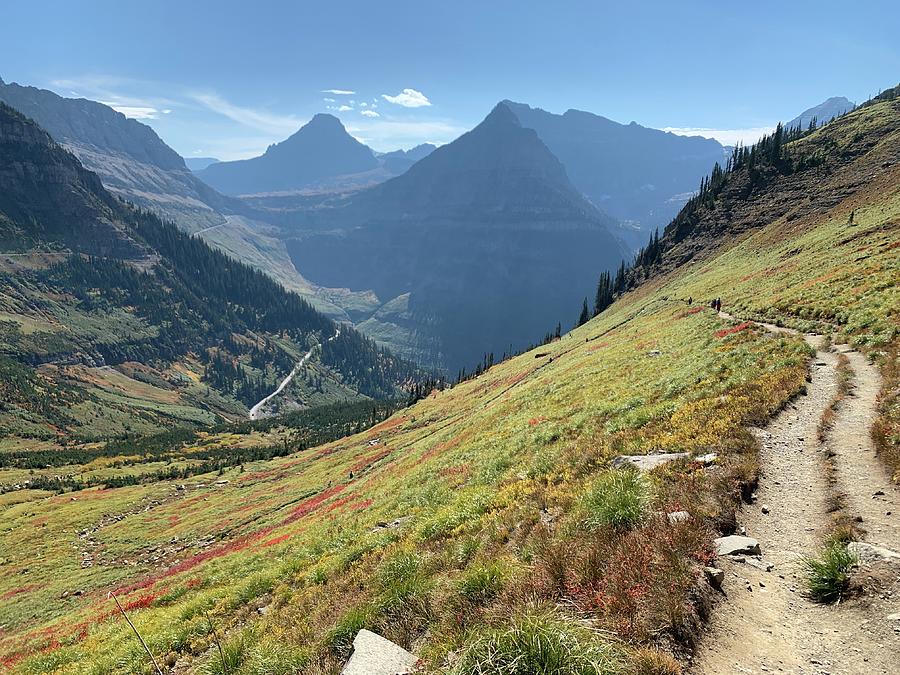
x,y
617,499
540,643
828,576
483,582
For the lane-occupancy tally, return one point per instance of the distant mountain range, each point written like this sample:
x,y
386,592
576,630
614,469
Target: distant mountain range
x,y
485,243
321,149
824,112
638,175
320,157
136,165
199,163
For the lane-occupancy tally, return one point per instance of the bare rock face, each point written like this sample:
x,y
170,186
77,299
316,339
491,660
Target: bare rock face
x,y
375,655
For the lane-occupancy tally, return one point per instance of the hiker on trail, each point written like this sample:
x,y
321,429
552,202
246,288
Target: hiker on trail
x,y
690,299
718,304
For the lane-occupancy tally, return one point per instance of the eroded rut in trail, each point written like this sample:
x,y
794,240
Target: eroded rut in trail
x,y
766,623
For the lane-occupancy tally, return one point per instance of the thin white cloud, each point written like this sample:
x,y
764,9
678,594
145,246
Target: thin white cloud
x,y
339,92
249,117
369,113
345,108
746,136
137,112
328,100
408,98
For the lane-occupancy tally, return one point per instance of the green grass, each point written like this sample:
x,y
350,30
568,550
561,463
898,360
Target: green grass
x,y
827,576
616,499
540,643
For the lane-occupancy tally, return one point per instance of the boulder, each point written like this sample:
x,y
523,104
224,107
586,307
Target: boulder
x,y
869,553
678,517
714,576
737,545
375,655
647,462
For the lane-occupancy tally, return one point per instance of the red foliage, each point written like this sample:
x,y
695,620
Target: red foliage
x,y
140,603
366,462
534,421
734,329
307,506
689,312
597,347
277,540
18,591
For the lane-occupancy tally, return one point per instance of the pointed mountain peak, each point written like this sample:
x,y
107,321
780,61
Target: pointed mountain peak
x,y
502,114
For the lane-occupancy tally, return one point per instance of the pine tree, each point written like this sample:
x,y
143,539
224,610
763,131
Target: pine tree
x,y
585,315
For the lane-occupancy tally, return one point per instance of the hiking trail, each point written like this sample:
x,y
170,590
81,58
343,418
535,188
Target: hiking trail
x,y
766,623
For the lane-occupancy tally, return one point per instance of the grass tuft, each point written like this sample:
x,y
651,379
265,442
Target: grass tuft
x,y
828,576
540,643
617,499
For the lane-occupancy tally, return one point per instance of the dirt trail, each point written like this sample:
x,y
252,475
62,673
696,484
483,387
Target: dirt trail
x,y
767,624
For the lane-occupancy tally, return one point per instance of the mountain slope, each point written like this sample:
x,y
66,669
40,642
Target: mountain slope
x,y
320,149
128,291
492,511
131,160
639,175
135,164
486,235
822,113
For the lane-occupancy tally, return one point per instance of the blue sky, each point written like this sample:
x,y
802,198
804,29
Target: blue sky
x,y
227,78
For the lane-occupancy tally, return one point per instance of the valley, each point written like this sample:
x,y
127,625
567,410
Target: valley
x,y
574,496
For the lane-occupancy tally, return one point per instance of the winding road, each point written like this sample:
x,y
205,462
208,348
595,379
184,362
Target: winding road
x,y
256,412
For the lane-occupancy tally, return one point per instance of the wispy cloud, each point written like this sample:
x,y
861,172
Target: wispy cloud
x,y
260,120
339,92
408,98
725,136
137,112
369,113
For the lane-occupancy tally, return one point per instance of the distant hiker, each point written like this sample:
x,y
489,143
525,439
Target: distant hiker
x,y
718,304
690,300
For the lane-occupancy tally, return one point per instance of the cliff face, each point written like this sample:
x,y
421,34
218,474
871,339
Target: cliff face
x,y
51,198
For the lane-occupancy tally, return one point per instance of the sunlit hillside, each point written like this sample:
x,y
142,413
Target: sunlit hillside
x,y
488,512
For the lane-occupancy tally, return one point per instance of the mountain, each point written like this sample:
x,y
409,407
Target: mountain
x,y
638,175
486,235
138,325
321,149
822,113
399,161
136,165
502,513
199,163
131,160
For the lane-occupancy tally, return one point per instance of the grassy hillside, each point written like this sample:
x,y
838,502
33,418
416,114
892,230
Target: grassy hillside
x,y
487,516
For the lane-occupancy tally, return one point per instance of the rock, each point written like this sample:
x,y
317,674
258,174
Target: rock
x,y
375,655
870,553
707,459
735,544
714,576
647,462
893,617
765,509
678,517
763,565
